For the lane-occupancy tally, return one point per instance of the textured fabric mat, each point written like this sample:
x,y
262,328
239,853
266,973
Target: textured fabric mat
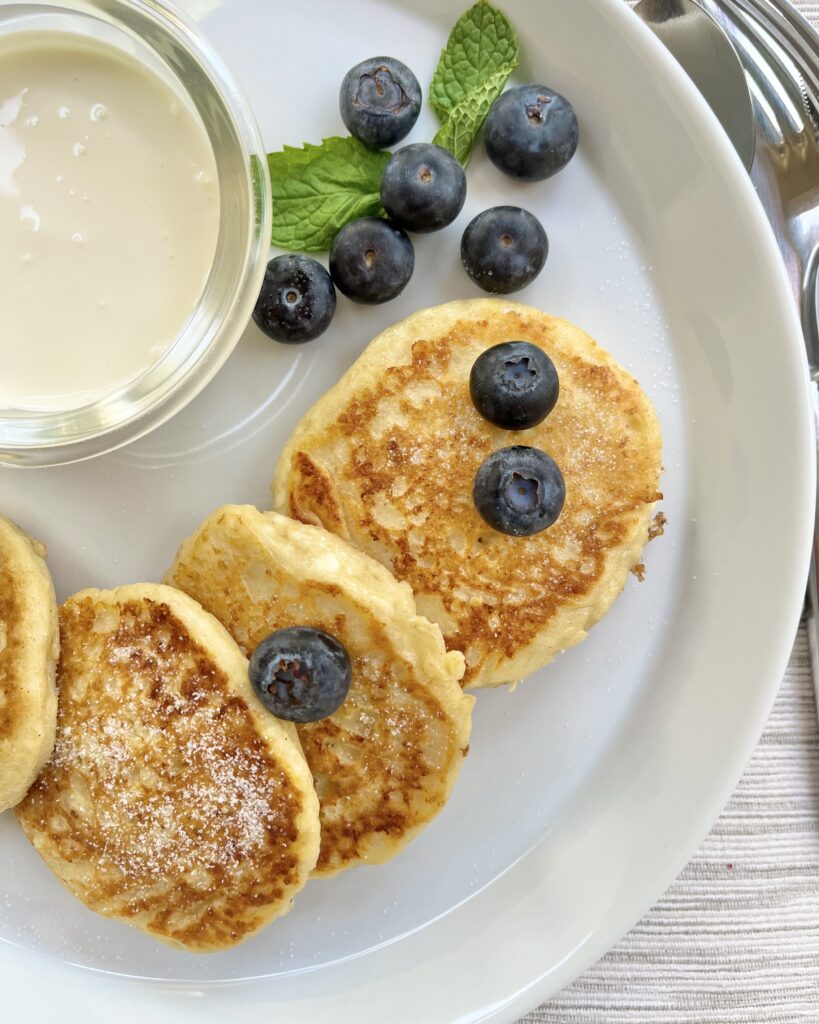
x,y
735,940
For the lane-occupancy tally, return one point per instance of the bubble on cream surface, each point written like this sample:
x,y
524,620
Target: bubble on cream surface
x,y
107,235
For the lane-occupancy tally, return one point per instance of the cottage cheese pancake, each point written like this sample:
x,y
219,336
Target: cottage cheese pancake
x,y
387,459
386,761
173,801
109,213
29,642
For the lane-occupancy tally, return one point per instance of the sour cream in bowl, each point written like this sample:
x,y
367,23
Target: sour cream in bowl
x,y
134,224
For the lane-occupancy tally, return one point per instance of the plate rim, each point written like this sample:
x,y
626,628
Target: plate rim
x,y
164,996
543,988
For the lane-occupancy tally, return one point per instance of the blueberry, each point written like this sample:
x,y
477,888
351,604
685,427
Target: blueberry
x,y
503,249
519,491
514,385
297,300
380,100
531,132
371,260
423,188
301,674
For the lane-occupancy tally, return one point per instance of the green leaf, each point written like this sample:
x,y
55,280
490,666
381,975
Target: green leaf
x,y
319,189
459,131
481,53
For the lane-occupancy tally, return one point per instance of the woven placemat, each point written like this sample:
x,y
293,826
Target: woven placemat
x,y
736,937
809,10
735,940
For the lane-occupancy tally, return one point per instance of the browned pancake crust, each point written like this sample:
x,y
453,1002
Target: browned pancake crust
x,y
161,804
393,473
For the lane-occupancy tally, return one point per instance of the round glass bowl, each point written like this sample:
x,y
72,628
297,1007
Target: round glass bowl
x,y
174,48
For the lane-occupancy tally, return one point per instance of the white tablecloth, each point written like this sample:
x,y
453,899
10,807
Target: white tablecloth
x,y
735,940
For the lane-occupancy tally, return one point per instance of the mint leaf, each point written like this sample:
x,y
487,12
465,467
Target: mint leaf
x,y
319,189
481,53
459,131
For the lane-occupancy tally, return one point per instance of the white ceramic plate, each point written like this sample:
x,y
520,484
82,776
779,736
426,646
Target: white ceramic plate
x,y
589,787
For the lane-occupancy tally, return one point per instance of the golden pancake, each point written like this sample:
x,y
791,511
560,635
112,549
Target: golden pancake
x,y
174,801
29,644
387,459
386,761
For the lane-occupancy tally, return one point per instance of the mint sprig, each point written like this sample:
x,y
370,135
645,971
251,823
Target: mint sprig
x,y
480,55
319,189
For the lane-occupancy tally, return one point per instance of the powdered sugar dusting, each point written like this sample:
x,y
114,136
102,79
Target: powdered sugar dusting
x,y
159,775
191,803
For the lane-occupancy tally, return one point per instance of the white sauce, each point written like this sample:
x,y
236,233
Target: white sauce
x,y
109,213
